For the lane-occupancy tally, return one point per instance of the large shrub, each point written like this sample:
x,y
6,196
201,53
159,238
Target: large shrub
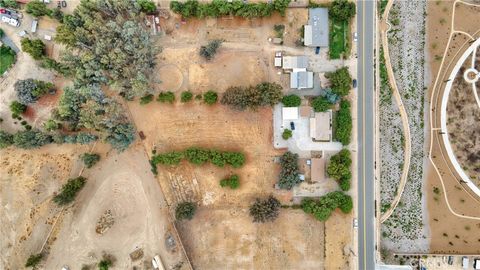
x,y
265,210
34,260
289,174
210,97
321,104
342,10
90,159
340,80
291,101
209,51
166,97
69,191
37,8
185,210
343,123
17,108
263,94
31,139
197,156
322,208
121,136
30,90
147,6
34,47
170,158
6,139
339,168
287,134
233,182
186,96
234,159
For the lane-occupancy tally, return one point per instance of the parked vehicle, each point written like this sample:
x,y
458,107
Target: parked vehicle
x,y
476,263
354,83
355,223
292,125
317,50
157,263
465,262
355,37
450,260
64,4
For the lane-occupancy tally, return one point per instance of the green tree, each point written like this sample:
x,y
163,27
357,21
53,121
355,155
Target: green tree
x,y
90,159
37,8
210,97
289,174
186,96
69,191
34,260
291,101
197,156
234,159
6,139
104,264
147,6
209,51
339,168
57,14
146,99
31,139
9,4
217,158
340,80
342,10
287,134
263,94
321,104
265,210
233,182
120,136
166,97
17,108
34,47
322,208
343,123
51,125
185,210
170,158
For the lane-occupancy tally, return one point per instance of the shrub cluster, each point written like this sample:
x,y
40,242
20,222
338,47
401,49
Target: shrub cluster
x,y
165,97
209,51
321,104
342,10
291,101
34,260
34,47
69,191
340,80
29,139
90,159
265,210
146,99
289,174
30,90
185,210
252,97
343,123
322,208
17,108
210,97
6,139
339,168
218,8
186,96
233,182
199,156
287,134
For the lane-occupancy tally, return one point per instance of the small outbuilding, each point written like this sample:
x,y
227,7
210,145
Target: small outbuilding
x,y
321,126
295,62
301,80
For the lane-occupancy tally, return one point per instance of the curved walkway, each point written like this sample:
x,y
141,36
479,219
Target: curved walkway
x,y
432,129
443,117
384,28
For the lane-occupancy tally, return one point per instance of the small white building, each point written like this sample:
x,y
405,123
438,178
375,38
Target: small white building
x,y
290,113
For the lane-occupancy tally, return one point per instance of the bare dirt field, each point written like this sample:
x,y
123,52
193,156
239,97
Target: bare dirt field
x,y
222,232
120,210
339,251
28,179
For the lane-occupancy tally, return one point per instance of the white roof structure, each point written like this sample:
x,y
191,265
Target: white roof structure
x,y
278,62
295,62
301,79
321,126
34,26
290,113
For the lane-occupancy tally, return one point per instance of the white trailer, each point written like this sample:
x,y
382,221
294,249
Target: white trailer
x,y
157,263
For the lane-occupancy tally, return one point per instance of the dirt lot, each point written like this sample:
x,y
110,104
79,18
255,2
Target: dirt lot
x,y
123,191
222,225
449,233
28,179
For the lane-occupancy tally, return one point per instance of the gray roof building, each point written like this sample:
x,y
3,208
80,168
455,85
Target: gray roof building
x,y
295,62
301,79
316,32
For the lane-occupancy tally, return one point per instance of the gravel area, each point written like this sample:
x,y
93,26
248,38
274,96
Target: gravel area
x,y
391,144
407,229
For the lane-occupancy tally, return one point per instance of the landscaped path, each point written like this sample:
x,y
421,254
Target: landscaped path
x,y
384,28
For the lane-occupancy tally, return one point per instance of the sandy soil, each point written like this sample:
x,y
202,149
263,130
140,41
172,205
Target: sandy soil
x,y
339,251
449,233
28,179
123,185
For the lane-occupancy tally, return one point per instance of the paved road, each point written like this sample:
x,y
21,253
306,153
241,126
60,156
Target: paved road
x,y
366,119
8,42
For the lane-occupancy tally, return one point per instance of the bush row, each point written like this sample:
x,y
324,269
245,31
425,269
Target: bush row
x,y
210,97
29,139
199,156
339,168
343,123
322,208
218,8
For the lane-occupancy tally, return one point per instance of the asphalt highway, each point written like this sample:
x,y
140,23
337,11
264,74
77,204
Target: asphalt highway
x,y
366,129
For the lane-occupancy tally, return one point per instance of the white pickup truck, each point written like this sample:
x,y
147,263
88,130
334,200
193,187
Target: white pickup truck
x,y
157,263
